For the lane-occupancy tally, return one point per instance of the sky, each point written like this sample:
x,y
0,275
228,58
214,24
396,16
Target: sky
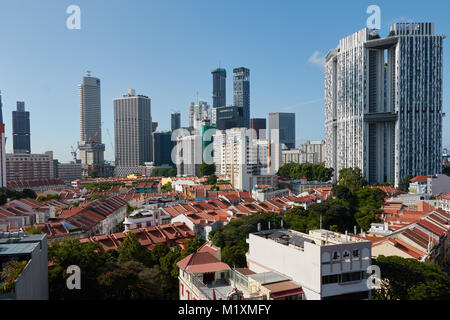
x,y
166,49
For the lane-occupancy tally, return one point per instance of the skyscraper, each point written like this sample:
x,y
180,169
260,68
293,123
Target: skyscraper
x,y
2,147
162,148
21,129
241,90
90,145
133,132
259,125
383,103
285,124
175,121
228,117
198,112
219,88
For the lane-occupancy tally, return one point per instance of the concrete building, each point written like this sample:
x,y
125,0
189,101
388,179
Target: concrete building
x,y
21,129
175,121
241,93
91,148
238,158
383,103
162,148
2,147
325,264
219,88
189,155
225,118
284,124
198,113
25,166
69,171
430,185
259,125
32,282
132,132
309,152
303,185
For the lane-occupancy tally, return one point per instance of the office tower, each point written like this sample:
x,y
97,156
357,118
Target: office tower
x,y
69,171
189,155
90,145
198,112
175,121
284,124
2,147
228,117
219,88
241,90
21,129
132,132
309,152
162,148
239,158
154,126
383,103
259,125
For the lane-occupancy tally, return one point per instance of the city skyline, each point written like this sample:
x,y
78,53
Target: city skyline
x,y
299,64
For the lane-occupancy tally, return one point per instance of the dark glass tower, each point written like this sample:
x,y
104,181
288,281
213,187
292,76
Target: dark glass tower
x,y
175,121
21,129
219,88
241,89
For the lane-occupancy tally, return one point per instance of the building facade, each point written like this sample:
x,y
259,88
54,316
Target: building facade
x,y
91,148
2,147
219,88
175,121
21,129
162,148
259,125
284,124
133,132
25,166
241,92
383,103
189,155
198,113
225,118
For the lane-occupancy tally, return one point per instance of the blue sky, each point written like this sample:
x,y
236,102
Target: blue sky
x,y
166,49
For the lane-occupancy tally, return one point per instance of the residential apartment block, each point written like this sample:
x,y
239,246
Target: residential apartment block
x,y
26,166
383,103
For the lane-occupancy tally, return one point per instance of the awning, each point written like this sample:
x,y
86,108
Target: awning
x,y
287,293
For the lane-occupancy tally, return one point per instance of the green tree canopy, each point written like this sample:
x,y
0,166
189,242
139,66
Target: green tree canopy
x,y
409,279
212,179
404,184
312,172
132,250
351,178
207,169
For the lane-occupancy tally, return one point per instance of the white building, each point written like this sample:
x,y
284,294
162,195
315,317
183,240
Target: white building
x,y
189,155
383,103
143,218
310,152
325,264
430,185
240,159
198,112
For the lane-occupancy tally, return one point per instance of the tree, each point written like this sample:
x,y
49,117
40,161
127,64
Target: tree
x,y
33,230
409,279
64,253
342,192
373,197
167,187
9,275
132,250
234,256
207,169
312,172
351,178
164,172
28,193
159,251
404,184
212,179
366,216
192,246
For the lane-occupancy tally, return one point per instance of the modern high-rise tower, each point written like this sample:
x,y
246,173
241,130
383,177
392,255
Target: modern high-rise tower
x,y
90,145
21,129
219,88
284,123
2,148
175,121
133,132
383,103
241,90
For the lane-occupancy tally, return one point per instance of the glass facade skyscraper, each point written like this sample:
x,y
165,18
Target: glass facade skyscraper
x,y
241,90
219,88
285,124
21,129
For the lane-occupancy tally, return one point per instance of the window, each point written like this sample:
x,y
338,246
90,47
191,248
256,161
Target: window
x,y
182,289
330,279
356,253
351,276
336,255
346,254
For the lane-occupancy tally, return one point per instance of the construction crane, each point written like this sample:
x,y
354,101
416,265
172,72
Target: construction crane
x,y
112,147
74,152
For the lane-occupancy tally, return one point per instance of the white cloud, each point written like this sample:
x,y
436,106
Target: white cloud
x,y
318,59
